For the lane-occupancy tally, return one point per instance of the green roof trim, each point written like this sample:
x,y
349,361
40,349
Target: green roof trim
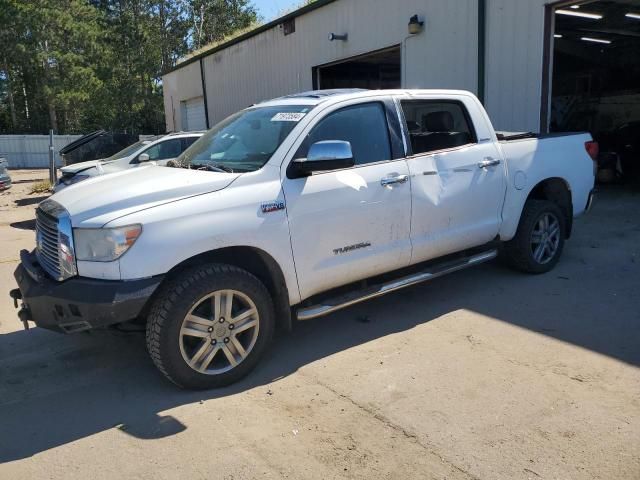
x,y
257,31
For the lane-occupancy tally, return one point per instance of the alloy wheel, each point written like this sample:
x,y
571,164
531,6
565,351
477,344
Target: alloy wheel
x,y
545,238
219,332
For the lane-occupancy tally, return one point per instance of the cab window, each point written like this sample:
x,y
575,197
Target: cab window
x,y
364,126
187,142
437,125
165,150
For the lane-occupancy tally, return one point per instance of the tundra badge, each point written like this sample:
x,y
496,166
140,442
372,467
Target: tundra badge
x,y
351,248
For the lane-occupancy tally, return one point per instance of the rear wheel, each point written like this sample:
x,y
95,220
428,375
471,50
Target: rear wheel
x,y
210,326
539,240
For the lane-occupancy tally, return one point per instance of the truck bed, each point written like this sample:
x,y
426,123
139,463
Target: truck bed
x,y
532,158
513,136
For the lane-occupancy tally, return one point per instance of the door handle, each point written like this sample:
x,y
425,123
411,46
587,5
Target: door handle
x,y
488,162
386,181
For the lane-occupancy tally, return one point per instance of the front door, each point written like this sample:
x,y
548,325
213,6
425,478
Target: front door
x,y
350,224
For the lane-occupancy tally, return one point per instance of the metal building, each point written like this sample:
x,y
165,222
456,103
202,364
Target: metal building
x,y
512,53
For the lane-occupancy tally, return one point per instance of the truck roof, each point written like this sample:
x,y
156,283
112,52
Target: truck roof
x,y
315,97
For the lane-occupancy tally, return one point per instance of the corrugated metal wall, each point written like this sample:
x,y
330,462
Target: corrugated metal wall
x,y
515,40
32,151
444,55
181,85
272,64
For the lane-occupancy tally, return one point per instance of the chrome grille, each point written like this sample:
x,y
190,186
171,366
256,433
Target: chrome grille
x,y
47,243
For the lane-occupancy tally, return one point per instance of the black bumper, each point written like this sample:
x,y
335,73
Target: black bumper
x,y
78,303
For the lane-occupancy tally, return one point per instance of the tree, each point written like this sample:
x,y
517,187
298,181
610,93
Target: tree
x,y
213,20
79,65
49,62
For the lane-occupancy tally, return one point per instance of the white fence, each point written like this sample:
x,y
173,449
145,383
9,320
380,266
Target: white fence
x,y
32,151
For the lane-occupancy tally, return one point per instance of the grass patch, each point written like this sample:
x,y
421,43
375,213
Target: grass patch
x,y
258,23
43,186
212,45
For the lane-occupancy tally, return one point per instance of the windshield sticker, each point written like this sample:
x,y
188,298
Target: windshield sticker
x,y
288,117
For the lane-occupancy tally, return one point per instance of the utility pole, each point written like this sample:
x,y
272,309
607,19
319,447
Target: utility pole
x,y
52,160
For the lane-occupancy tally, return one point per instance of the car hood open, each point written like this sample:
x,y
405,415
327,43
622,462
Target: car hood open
x,y
99,200
70,170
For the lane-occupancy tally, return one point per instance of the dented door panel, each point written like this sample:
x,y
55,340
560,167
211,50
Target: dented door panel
x,y
456,203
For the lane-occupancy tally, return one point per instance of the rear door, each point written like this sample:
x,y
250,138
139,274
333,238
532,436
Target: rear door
x,y
351,224
457,176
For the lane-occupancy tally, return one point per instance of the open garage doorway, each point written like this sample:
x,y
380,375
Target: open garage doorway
x,y
595,85
375,70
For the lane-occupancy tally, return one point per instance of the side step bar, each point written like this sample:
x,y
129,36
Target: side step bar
x,y
434,271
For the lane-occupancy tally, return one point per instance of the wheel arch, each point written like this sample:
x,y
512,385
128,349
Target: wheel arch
x,y
255,261
558,191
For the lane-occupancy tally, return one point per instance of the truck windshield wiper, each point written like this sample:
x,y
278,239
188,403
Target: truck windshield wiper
x,y
214,167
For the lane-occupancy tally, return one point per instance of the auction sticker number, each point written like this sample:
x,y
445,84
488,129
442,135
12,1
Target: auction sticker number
x,y
288,117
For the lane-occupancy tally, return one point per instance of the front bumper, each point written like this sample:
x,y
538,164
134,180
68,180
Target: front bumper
x,y
5,181
78,303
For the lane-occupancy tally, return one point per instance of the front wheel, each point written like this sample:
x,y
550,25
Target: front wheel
x,y
539,240
209,326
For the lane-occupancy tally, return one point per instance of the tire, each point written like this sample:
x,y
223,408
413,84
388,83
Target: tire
x,y
191,332
522,252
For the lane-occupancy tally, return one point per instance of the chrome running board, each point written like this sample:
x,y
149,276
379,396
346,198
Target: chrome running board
x,y
434,271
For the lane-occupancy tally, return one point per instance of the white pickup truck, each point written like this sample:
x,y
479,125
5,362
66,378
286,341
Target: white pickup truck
x,y
293,209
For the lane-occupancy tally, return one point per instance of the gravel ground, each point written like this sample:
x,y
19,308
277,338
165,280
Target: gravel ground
x,y
484,374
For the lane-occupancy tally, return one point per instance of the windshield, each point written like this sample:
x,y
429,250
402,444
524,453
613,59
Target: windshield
x,y
245,141
129,150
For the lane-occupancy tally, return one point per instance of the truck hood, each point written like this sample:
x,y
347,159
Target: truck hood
x,y
70,170
96,167
99,200
102,165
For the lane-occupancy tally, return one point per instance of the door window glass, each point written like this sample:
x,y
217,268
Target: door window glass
x,y
434,125
165,150
364,126
187,142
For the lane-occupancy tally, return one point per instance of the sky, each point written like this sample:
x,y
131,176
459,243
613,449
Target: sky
x,y
270,9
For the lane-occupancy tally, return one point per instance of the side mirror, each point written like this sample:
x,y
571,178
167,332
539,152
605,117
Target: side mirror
x,y
143,157
323,156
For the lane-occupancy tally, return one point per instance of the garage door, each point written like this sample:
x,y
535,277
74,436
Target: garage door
x,y
375,70
596,80
193,117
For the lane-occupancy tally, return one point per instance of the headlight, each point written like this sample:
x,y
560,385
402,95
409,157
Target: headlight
x,y
104,244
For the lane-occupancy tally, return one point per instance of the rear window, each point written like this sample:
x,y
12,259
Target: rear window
x,y
437,125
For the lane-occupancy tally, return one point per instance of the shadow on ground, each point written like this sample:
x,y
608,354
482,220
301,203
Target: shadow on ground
x,y
27,180
56,389
23,202
24,225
